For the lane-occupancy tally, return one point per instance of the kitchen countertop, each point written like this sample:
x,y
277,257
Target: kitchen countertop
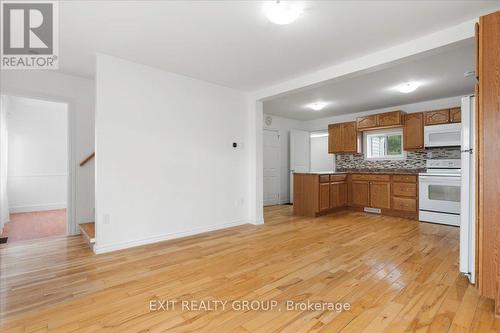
x,y
377,171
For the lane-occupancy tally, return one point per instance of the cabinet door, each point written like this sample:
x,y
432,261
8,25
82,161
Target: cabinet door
x,y
389,119
380,195
334,138
367,122
324,196
413,131
338,195
437,117
342,194
456,115
349,137
360,193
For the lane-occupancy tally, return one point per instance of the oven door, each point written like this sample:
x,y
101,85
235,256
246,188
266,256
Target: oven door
x,y
440,194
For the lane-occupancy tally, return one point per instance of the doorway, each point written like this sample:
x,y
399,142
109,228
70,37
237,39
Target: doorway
x,y
272,166
35,160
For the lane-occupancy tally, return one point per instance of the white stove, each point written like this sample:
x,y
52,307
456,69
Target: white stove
x,y
439,192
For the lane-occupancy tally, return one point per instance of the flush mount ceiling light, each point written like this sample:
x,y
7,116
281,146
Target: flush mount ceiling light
x,y
283,12
407,87
317,106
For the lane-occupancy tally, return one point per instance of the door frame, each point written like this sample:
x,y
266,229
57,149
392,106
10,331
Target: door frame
x,y
71,222
279,162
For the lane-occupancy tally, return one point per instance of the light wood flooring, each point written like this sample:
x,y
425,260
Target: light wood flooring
x,y
398,275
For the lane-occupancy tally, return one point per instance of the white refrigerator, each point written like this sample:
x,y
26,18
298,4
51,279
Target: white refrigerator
x,y
468,190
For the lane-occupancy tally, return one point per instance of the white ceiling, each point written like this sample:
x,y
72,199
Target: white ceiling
x,y
231,43
440,71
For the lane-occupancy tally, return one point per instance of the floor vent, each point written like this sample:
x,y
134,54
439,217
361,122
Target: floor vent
x,y
373,210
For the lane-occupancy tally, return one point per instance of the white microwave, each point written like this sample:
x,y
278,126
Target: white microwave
x,y
443,135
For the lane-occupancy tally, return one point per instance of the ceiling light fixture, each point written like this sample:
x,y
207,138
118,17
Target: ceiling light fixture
x,y
408,87
283,12
317,106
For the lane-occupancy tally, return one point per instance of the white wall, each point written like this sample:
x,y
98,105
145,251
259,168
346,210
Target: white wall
x,y
320,159
37,155
165,164
79,93
283,126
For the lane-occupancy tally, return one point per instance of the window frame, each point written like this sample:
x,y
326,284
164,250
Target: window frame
x,y
386,133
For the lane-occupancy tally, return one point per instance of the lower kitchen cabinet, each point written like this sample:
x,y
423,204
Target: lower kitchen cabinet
x,y
360,193
380,195
315,194
319,194
324,196
338,194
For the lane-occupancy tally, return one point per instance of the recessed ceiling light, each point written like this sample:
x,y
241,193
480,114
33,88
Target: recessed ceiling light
x,y
407,87
283,12
317,106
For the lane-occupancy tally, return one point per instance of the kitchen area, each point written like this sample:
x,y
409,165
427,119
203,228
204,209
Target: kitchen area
x,y
433,183
413,161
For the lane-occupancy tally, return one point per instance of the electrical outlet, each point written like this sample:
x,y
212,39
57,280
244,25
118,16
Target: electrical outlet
x,y
106,219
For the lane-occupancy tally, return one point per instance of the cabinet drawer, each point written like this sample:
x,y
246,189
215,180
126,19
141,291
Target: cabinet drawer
x,y
338,178
405,178
368,177
324,178
404,189
405,204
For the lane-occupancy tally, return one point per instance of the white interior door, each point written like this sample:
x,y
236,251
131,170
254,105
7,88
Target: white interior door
x,y
300,147
272,163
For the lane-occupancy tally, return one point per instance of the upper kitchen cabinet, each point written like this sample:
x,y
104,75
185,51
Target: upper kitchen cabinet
x,y
381,120
390,119
455,115
437,117
344,138
367,122
413,131
444,116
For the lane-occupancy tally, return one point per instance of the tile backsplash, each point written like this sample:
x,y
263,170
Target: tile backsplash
x,y
414,160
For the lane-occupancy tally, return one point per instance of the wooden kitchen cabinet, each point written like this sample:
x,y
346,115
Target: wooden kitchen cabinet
x,y
324,196
381,120
413,131
367,122
437,117
350,138
380,195
344,138
319,194
315,194
338,194
335,144
360,193
455,115
389,119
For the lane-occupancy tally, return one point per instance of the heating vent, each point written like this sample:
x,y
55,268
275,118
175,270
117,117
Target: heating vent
x,y
373,210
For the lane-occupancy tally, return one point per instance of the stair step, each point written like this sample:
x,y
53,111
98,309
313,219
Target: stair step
x,y
88,232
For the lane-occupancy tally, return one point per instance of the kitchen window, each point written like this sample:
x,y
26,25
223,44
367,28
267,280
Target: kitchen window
x,y
384,144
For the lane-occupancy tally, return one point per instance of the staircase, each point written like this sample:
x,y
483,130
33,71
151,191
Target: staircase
x,y
88,229
88,233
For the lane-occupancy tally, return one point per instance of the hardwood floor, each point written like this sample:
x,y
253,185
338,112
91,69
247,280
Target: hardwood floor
x,y
397,275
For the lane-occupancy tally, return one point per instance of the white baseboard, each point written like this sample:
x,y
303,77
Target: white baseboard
x,y
37,208
138,242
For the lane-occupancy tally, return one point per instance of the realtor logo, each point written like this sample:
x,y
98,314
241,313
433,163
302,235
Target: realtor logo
x,y
29,35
